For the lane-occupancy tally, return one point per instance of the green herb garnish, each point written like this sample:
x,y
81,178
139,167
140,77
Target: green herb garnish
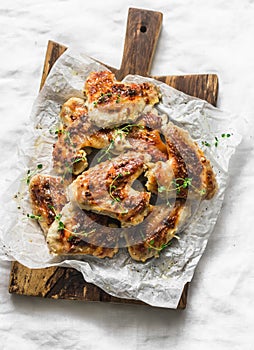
x,y
57,218
118,98
106,151
216,138
78,234
33,216
31,173
158,249
178,184
119,132
205,143
113,188
225,135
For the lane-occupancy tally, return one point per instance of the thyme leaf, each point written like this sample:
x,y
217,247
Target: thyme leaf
x,y
113,188
33,216
178,184
31,173
216,140
78,234
158,249
119,132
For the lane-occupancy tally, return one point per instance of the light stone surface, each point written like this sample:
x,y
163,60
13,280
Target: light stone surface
x,y
197,37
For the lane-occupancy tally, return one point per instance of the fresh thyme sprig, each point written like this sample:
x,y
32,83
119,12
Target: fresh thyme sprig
x,y
67,138
112,186
80,159
103,98
185,183
31,173
151,243
205,143
106,151
119,132
33,216
58,131
69,166
61,131
225,135
75,234
118,98
61,226
57,218
158,249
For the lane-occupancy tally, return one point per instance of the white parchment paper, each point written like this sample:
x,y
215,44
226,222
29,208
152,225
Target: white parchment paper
x,y
158,282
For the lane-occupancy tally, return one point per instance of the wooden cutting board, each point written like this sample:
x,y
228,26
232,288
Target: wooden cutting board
x,y
142,33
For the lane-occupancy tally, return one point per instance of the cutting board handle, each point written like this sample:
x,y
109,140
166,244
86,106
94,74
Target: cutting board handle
x,y
142,33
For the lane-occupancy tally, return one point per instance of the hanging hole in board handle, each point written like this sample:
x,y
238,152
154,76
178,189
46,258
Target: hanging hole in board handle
x,y
143,29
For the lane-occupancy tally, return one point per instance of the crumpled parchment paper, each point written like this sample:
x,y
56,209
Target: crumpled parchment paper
x,y
158,282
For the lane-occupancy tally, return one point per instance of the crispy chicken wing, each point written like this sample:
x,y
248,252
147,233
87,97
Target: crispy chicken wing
x,y
82,232
106,189
69,229
148,142
71,110
112,103
69,154
192,175
148,239
48,197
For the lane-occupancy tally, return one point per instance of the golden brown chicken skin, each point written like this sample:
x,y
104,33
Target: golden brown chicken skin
x,y
72,109
48,197
148,142
69,229
106,189
148,239
69,152
84,233
189,173
112,103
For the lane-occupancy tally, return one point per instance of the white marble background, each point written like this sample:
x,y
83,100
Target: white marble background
x,y
197,37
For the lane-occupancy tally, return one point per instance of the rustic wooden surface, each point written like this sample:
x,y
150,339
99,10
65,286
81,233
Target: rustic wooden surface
x,y
63,283
203,86
142,33
67,283
54,51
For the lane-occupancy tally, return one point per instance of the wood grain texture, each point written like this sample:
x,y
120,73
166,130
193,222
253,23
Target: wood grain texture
x,y
54,51
142,33
67,283
204,86
63,283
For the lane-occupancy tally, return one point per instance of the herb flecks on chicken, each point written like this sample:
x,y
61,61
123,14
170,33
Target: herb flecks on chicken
x,y
163,224
112,103
83,232
48,197
107,189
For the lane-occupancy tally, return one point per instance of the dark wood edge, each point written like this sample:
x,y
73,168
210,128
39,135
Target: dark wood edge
x,y
53,52
64,283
